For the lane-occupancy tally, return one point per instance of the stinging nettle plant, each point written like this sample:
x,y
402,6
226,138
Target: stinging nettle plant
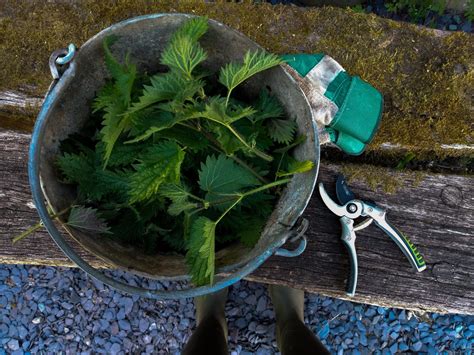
x,y
176,161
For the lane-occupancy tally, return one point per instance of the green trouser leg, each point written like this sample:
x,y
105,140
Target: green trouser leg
x,y
296,339
208,339
210,336
293,337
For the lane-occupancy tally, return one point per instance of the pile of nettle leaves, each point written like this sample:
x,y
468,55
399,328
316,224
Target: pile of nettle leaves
x,y
174,161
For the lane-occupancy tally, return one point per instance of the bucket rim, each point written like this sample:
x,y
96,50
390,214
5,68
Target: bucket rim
x,y
39,197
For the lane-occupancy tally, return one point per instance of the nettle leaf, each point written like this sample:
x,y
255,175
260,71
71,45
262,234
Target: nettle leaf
x,y
226,139
178,194
159,164
87,220
222,176
298,140
216,110
93,182
159,121
167,86
175,192
201,251
233,74
249,232
296,167
123,154
194,28
183,54
113,126
263,200
176,208
76,168
114,99
255,133
281,130
167,118
186,137
267,106
124,75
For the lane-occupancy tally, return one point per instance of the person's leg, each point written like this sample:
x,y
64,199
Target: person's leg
x,y
210,336
293,337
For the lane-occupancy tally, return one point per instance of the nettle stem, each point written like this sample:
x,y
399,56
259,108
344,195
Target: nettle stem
x,y
257,151
239,197
37,226
217,147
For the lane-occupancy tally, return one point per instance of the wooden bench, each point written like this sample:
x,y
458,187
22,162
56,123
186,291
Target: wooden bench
x,y
436,214
434,210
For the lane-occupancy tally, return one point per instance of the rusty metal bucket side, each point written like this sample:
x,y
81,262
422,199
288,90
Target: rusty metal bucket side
x,y
274,236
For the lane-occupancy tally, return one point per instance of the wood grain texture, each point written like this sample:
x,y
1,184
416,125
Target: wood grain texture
x,y
436,215
17,103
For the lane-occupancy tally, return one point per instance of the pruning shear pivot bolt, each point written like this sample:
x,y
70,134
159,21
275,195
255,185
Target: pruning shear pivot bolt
x,y
353,208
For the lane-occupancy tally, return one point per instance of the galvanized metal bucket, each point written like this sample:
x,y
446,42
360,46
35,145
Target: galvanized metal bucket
x,y
78,75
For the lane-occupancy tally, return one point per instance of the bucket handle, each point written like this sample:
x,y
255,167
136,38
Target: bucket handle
x,y
300,231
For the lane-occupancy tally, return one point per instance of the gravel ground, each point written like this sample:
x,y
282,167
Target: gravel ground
x,y
46,309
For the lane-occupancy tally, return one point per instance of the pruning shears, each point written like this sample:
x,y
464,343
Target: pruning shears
x,y
352,208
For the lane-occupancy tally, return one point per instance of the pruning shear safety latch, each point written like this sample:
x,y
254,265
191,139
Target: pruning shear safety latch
x,y
353,208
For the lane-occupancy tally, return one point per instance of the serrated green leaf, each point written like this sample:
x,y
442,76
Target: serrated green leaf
x,y
175,192
222,176
87,220
194,28
183,54
167,86
216,110
201,251
233,74
263,200
76,168
114,100
226,139
267,106
165,119
296,167
186,137
179,195
159,164
124,75
123,154
298,140
281,130
161,120
176,208
93,182
175,241
250,231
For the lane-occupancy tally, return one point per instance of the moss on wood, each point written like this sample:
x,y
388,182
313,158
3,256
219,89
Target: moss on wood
x,y
380,178
427,77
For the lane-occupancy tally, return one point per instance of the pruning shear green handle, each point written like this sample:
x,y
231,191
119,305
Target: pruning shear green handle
x,y
354,208
407,247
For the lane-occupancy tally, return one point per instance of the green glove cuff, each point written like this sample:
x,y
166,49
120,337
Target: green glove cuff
x,y
344,103
346,142
360,112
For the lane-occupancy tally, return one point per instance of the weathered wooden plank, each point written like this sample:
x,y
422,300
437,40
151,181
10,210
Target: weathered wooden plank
x,y
436,214
14,102
425,75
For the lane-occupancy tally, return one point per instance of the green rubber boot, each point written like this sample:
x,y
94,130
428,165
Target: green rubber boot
x,y
212,305
293,337
210,336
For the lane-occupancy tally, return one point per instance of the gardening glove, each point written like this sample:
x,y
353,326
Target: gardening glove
x,y
346,108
